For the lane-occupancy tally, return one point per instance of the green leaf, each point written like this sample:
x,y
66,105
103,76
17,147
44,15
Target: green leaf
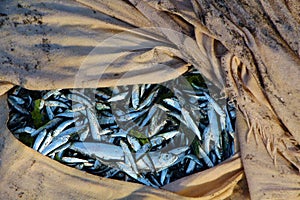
x,y
140,136
36,114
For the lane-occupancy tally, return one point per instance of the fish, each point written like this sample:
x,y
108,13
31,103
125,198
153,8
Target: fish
x,y
27,129
15,105
48,139
214,126
73,160
150,115
47,126
149,100
16,99
94,125
118,97
39,139
190,123
99,150
80,99
129,156
135,96
173,102
62,126
56,104
58,142
135,144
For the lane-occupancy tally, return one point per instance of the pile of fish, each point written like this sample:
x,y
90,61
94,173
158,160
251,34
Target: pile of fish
x,y
151,133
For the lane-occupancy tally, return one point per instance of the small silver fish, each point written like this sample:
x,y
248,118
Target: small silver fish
x,y
99,150
190,123
118,97
17,107
27,129
135,96
80,99
55,144
62,126
56,104
129,156
39,139
94,125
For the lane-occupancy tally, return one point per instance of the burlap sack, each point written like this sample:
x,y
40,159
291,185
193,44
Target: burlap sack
x,y
250,49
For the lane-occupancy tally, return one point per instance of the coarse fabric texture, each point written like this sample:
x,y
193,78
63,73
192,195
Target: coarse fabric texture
x,y
249,49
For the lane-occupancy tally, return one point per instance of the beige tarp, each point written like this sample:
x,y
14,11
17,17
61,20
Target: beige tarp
x,y
248,48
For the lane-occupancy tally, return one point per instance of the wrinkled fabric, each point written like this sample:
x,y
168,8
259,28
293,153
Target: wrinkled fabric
x,y
249,49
